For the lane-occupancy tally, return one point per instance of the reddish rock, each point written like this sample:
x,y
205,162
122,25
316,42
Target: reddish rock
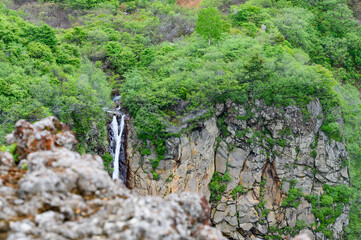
x,y
46,134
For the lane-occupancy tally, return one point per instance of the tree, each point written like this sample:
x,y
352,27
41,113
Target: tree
x,y
209,24
43,34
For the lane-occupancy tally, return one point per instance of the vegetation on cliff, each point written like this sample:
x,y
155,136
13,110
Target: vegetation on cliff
x,y
166,64
41,76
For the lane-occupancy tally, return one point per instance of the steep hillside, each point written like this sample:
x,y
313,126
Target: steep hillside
x,y
234,100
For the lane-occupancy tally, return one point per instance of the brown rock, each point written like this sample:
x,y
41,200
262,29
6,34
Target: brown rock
x,y
46,134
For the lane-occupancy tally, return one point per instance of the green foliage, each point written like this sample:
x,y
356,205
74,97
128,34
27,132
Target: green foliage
x,y
249,18
73,88
144,150
270,142
293,198
170,178
24,166
223,127
262,203
329,206
218,185
43,34
88,4
313,153
39,50
240,134
150,126
333,130
156,176
248,115
239,189
237,66
276,232
120,57
209,24
351,109
326,30
36,81
154,162
107,161
11,149
281,142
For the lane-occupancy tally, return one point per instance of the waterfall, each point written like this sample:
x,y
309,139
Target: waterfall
x,y
117,148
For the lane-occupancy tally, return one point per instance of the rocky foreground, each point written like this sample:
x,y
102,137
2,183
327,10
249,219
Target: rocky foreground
x,y
52,192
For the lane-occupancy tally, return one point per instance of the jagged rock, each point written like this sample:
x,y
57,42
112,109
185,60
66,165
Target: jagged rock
x,y
46,134
237,158
190,168
305,234
221,158
340,223
304,212
265,150
219,109
64,195
6,160
6,163
234,173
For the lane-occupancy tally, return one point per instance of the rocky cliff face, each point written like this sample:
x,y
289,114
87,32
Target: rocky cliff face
x,y
54,193
263,168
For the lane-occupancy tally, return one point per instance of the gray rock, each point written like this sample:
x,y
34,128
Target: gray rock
x,y
278,145
341,222
218,217
221,158
67,196
237,158
291,217
221,207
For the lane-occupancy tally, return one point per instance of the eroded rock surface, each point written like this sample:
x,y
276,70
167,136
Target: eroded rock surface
x,y
187,165
55,193
267,152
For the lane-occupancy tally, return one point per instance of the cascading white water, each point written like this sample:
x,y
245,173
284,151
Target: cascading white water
x,y
117,134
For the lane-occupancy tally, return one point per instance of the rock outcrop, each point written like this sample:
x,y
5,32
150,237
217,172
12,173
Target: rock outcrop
x,y
55,193
267,164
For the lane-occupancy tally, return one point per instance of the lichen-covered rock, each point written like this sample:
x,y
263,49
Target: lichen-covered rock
x,y
277,159
63,195
6,162
46,134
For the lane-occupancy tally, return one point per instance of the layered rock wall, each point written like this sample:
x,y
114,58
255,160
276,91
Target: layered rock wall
x,y
269,163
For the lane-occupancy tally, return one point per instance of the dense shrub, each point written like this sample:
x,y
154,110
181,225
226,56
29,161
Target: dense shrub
x,y
40,77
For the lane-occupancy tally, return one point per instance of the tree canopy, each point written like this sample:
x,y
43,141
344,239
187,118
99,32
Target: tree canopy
x,y
209,24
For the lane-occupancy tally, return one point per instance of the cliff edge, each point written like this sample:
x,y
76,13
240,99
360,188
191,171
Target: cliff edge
x,y
268,171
